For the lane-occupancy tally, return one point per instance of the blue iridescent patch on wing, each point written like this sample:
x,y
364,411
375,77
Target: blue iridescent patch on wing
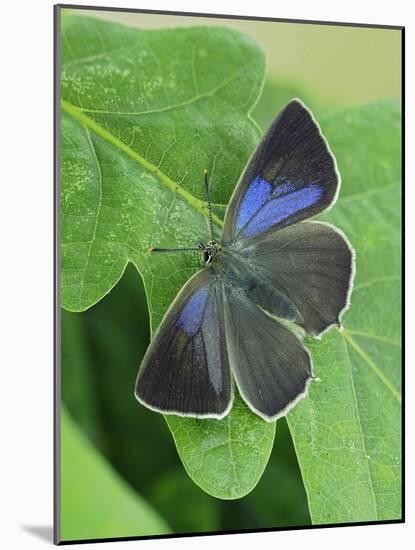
x,y
256,195
191,316
282,207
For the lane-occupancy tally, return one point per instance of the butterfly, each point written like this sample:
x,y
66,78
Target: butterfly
x,y
233,323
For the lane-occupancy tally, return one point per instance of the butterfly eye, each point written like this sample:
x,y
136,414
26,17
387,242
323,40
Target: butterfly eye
x,y
206,255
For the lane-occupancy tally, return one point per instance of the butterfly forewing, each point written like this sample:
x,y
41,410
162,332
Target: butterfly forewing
x,y
291,176
185,370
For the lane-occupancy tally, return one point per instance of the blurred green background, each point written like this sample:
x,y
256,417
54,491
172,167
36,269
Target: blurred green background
x,y
119,456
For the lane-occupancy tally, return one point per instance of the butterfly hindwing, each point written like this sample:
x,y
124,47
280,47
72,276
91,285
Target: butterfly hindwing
x,y
185,370
291,177
312,264
271,367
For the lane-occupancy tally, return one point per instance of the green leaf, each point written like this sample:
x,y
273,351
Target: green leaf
x,y
144,113
225,458
95,501
347,433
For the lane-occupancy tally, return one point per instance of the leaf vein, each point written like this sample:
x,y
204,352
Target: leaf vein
x,y
193,201
352,342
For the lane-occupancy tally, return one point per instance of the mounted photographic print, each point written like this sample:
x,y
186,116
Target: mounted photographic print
x,y
228,268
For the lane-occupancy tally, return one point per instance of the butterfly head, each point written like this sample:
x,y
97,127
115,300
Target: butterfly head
x,y
209,251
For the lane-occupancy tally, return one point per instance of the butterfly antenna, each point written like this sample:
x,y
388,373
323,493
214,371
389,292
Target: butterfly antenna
x,y
186,249
209,205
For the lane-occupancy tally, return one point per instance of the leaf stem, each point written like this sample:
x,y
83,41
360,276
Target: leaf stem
x,y
84,119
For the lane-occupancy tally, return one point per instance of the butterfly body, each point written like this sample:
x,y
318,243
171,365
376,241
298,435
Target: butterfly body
x,y
228,325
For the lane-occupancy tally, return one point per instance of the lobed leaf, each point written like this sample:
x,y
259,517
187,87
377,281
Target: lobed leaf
x,y
143,113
